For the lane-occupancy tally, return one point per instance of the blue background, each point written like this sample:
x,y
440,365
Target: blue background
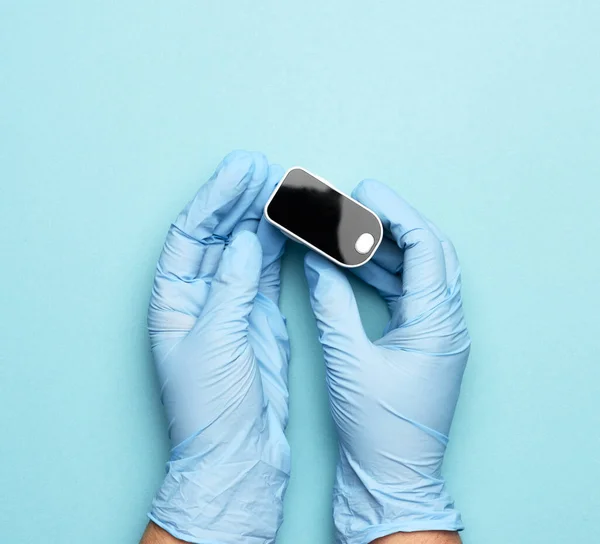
x,y
483,114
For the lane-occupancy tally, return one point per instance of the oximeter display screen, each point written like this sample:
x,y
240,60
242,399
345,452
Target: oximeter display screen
x,y
324,218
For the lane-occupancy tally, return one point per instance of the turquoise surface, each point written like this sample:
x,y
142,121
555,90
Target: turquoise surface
x,y
485,115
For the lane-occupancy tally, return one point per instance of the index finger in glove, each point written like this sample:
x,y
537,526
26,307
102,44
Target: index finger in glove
x,y
211,215
271,239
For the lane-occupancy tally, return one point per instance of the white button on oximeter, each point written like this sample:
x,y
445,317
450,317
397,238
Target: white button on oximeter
x,y
364,243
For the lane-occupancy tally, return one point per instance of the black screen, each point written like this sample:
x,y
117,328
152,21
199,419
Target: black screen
x,y
323,217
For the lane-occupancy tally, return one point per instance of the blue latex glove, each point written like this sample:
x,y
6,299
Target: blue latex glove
x,y
221,351
393,400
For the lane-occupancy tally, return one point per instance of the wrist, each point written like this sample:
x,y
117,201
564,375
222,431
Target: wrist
x,y
421,537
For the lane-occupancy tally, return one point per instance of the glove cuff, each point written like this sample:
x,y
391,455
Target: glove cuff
x,y
205,499
366,509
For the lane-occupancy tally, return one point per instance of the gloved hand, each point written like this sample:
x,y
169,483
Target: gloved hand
x,y
221,351
393,400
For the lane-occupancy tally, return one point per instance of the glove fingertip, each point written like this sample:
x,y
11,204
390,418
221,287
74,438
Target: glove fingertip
x,y
245,241
334,305
276,172
325,280
261,166
236,165
365,188
272,241
241,261
313,265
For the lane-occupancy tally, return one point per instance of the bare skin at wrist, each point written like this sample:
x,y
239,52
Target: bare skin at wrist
x,y
155,535
424,537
